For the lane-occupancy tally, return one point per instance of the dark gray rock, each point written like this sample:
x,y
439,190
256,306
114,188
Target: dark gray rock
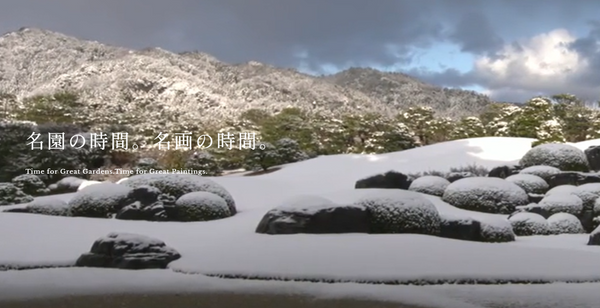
x,y
128,251
592,154
144,194
573,178
455,176
390,179
504,171
535,198
466,229
334,219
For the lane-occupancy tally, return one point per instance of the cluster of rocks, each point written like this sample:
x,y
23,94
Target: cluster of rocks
x,y
551,191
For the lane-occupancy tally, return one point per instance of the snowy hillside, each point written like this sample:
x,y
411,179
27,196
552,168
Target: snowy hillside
x,y
231,248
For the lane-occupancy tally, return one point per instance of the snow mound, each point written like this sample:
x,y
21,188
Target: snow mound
x,y
201,206
400,211
99,200
525,224
559,155
497,231
562,190
86,183
545,172
561,203
178,185
565,223
485,194
532,184
48,206
429,184
307,204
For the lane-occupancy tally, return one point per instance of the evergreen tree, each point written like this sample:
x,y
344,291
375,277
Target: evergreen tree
x,y
203,160
264,157
536,111
468,127
419,120
288,151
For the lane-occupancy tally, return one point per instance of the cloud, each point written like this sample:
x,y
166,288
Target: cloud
x,y
475,34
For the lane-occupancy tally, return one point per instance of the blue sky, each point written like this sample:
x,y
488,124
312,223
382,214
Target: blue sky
x,y
510,49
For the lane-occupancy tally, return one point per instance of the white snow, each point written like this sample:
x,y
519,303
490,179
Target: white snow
x,y
230,246
429,184
562,203
559,155
525,223
530,183
486,194
565,223
85,184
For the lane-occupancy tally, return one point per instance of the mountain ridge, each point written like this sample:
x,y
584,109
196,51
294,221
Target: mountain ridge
x,y
197,87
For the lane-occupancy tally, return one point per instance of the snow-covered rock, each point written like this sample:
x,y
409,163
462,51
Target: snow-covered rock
x,y
562,156
390,179
30,184
99,200
429,184
525,224
400,211
48,206
561,203
200,206
532,184
128,251
565,223
178,185
562,190
68,184
496,231
545,172
314,214
485,194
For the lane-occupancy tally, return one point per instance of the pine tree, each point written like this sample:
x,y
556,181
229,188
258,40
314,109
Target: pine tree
x,y
468,127
419,120
264,157
204,161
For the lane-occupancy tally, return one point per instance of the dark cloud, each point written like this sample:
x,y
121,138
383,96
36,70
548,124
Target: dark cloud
x,y
475,34
311,33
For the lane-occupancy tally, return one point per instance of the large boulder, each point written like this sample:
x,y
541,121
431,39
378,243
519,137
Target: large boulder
x,y
526,224
545,172
592,154
504,171
562,156
99,200
128,251
532,184
314,215
401,211
390,179
11,194
485,194
178,185
565,223
200,206
430,184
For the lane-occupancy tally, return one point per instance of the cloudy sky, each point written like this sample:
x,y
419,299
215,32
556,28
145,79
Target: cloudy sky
x,y
510,49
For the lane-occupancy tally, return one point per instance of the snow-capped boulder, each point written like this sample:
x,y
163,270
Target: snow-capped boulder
x,y
532,184
562,190
11,194
545,172
560,155
52,206
485,194
498,230
526,224
314,215
565,223
561,203
67,185
504,171
390,179
200,206
30,184
128,251
99,200
400,211
430,184
178,185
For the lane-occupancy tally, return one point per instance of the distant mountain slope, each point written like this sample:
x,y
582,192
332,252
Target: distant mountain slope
x,y
154,83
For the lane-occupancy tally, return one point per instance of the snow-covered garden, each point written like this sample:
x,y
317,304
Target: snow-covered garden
x,y
340,218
